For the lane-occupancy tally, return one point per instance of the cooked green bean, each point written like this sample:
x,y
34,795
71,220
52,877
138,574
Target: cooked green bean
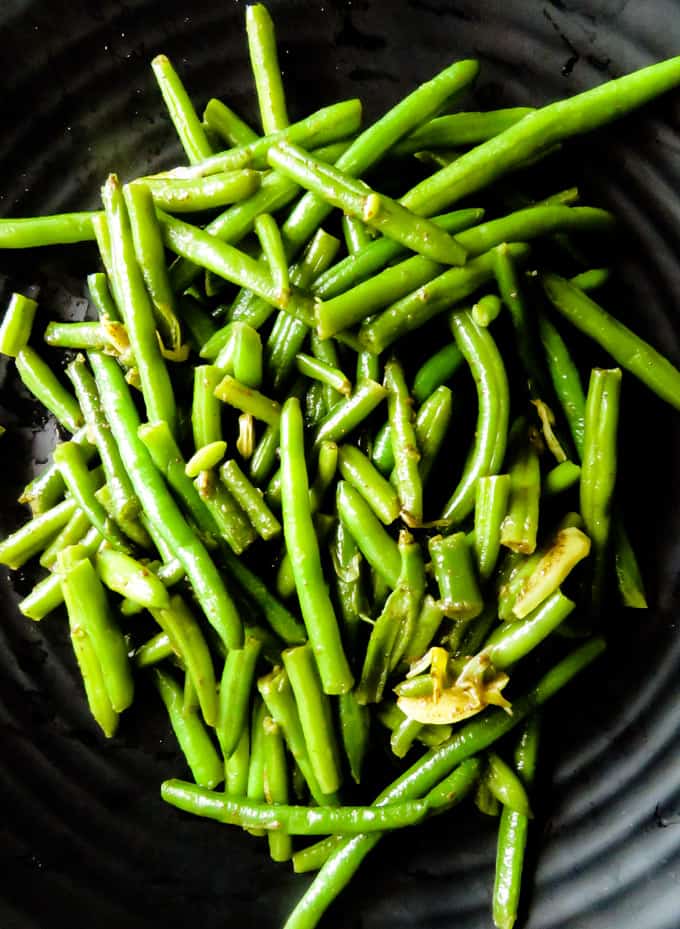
x,y
76,335
129,578
88,607
15,330
193,195
206,409
380,495
244,398
598,472
355,233
301,542
272,248
565,379
378,548
205,458
181,111
490,509
232,522
250,500
36,534
354,728
71,534
454,572
265,67
520,526
480,352
324,373
156,649
560,478
237,767
235,690
36,231
276,786
41,381
47,594
349,414
461,129
358,199
223,121
404,445
631,588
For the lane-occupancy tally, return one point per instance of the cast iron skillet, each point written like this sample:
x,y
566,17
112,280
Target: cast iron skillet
x,y
84,837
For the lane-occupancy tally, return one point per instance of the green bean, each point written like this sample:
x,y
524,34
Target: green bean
x,y
100,295
376,140
512,296
35,535
91,672
47,489
598,473
454,572
206,458
437,370
377,254
193,739
520,526
235,690
181,111
350,596
486,309
222,120
71,534
35,231
313,856
156,649
358,199
377,547
244,398
250,500
76,335
480,351
314,710
136,309
232,523
278,617
538,132
88,607
429,621
15,330
129,578
324,373
347,415
424,774
628,576
368,367
437,295
255,788
242,355
177,620
461,129
47,594
355,233
265,67
272,247
354,728
404,445
512,834
565,379
196,194
148,245
591,279
490,509
41,381
158,504
561,478
233,265
513,641
395,625
301,542
294,820
506,786
627,349
358,471
237,767
278,696
83,485
403,736
206,410
276,786
124,501
323,127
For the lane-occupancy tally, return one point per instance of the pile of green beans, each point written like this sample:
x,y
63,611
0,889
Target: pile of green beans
x,y
328,486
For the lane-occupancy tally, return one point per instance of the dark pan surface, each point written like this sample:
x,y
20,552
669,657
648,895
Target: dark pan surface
x,y
84,837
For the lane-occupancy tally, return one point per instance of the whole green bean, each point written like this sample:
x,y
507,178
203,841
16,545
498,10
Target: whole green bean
x,y
181,111
591,279
565,379
41,381
135,307
480,352
506,786
513,641
301,542
269,236
538,132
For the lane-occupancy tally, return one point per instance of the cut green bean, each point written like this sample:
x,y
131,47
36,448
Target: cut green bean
x,y
404,445
205,458
235,691
181,111
265,67
232,522
454,571
346,416
250,500
36,231
222,120
520,526
15,329
129,578
194,195
41,381
561,478
244,398
378,548
380,495
324,373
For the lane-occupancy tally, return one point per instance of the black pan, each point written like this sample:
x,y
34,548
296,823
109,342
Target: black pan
x,y
85,840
